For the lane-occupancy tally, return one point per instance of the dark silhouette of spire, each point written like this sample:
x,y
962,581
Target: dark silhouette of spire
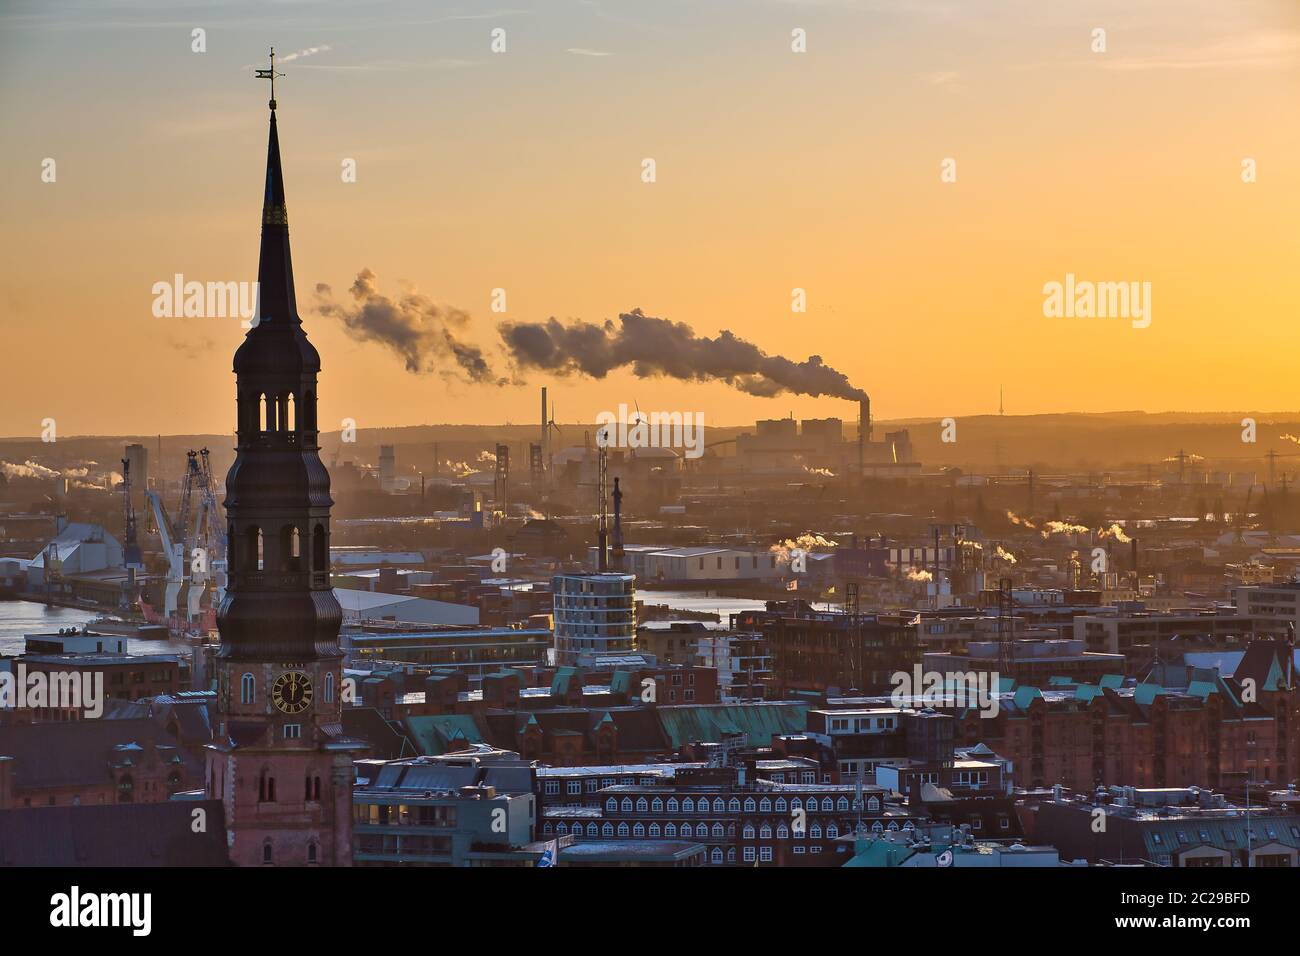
x,y
279,605
275,266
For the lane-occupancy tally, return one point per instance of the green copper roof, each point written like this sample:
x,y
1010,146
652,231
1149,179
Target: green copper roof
x,y
435,735
758,722
564,676
1113,681
1026,694
620,682
1146,693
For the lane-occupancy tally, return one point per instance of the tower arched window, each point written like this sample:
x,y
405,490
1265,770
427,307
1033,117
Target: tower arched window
x,y
309,411
290,414
266,852
328,694
290,548
264,421
320,550
253,548
247,689
311,852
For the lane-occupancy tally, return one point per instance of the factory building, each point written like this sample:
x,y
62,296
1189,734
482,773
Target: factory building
x,y
697,565
817,446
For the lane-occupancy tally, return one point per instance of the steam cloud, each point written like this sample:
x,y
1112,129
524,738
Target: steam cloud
x,y
808,541
653,347
425,335
419,330
1116,532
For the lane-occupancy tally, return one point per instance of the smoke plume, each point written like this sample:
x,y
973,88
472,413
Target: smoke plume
x,y
423,333
1063,527
1016,519
653,347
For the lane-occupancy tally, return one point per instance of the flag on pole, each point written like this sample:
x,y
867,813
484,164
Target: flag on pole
x,y
550,856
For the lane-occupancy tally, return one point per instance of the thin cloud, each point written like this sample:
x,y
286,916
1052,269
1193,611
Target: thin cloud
x,y
582,51
309,51
390,66
290,57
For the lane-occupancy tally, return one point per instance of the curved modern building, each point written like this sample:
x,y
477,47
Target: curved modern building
x,y
595,615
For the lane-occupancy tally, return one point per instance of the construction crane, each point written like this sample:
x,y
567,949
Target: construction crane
x,y
173,549
187,498
216,526
210,529
133,559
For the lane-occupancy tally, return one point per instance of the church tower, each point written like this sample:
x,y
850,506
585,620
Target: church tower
x,y
279,760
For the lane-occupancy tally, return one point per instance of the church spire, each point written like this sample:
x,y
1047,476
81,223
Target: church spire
x,y
276,300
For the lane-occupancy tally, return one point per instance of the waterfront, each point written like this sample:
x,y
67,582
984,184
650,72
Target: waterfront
x,y
20,618
704,601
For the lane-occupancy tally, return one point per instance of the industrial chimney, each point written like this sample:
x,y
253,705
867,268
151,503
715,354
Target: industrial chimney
x,y
864,433
616,540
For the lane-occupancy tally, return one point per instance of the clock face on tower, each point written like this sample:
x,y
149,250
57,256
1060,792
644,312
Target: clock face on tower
x,y
292,692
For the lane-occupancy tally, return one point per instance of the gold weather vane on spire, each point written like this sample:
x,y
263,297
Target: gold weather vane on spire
x,y
269,75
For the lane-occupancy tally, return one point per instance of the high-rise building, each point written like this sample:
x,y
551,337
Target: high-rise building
x,y
279,760
595,615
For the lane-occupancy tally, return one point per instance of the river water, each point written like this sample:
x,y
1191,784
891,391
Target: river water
x,y
700,601
20,618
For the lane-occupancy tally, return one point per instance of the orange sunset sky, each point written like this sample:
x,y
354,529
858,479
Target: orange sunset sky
x,y
522,170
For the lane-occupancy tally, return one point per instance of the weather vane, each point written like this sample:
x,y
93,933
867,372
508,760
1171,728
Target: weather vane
x,y
270,75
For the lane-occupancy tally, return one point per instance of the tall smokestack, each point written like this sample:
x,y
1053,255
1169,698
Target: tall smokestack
x,y
1134,546
546,432
864,433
